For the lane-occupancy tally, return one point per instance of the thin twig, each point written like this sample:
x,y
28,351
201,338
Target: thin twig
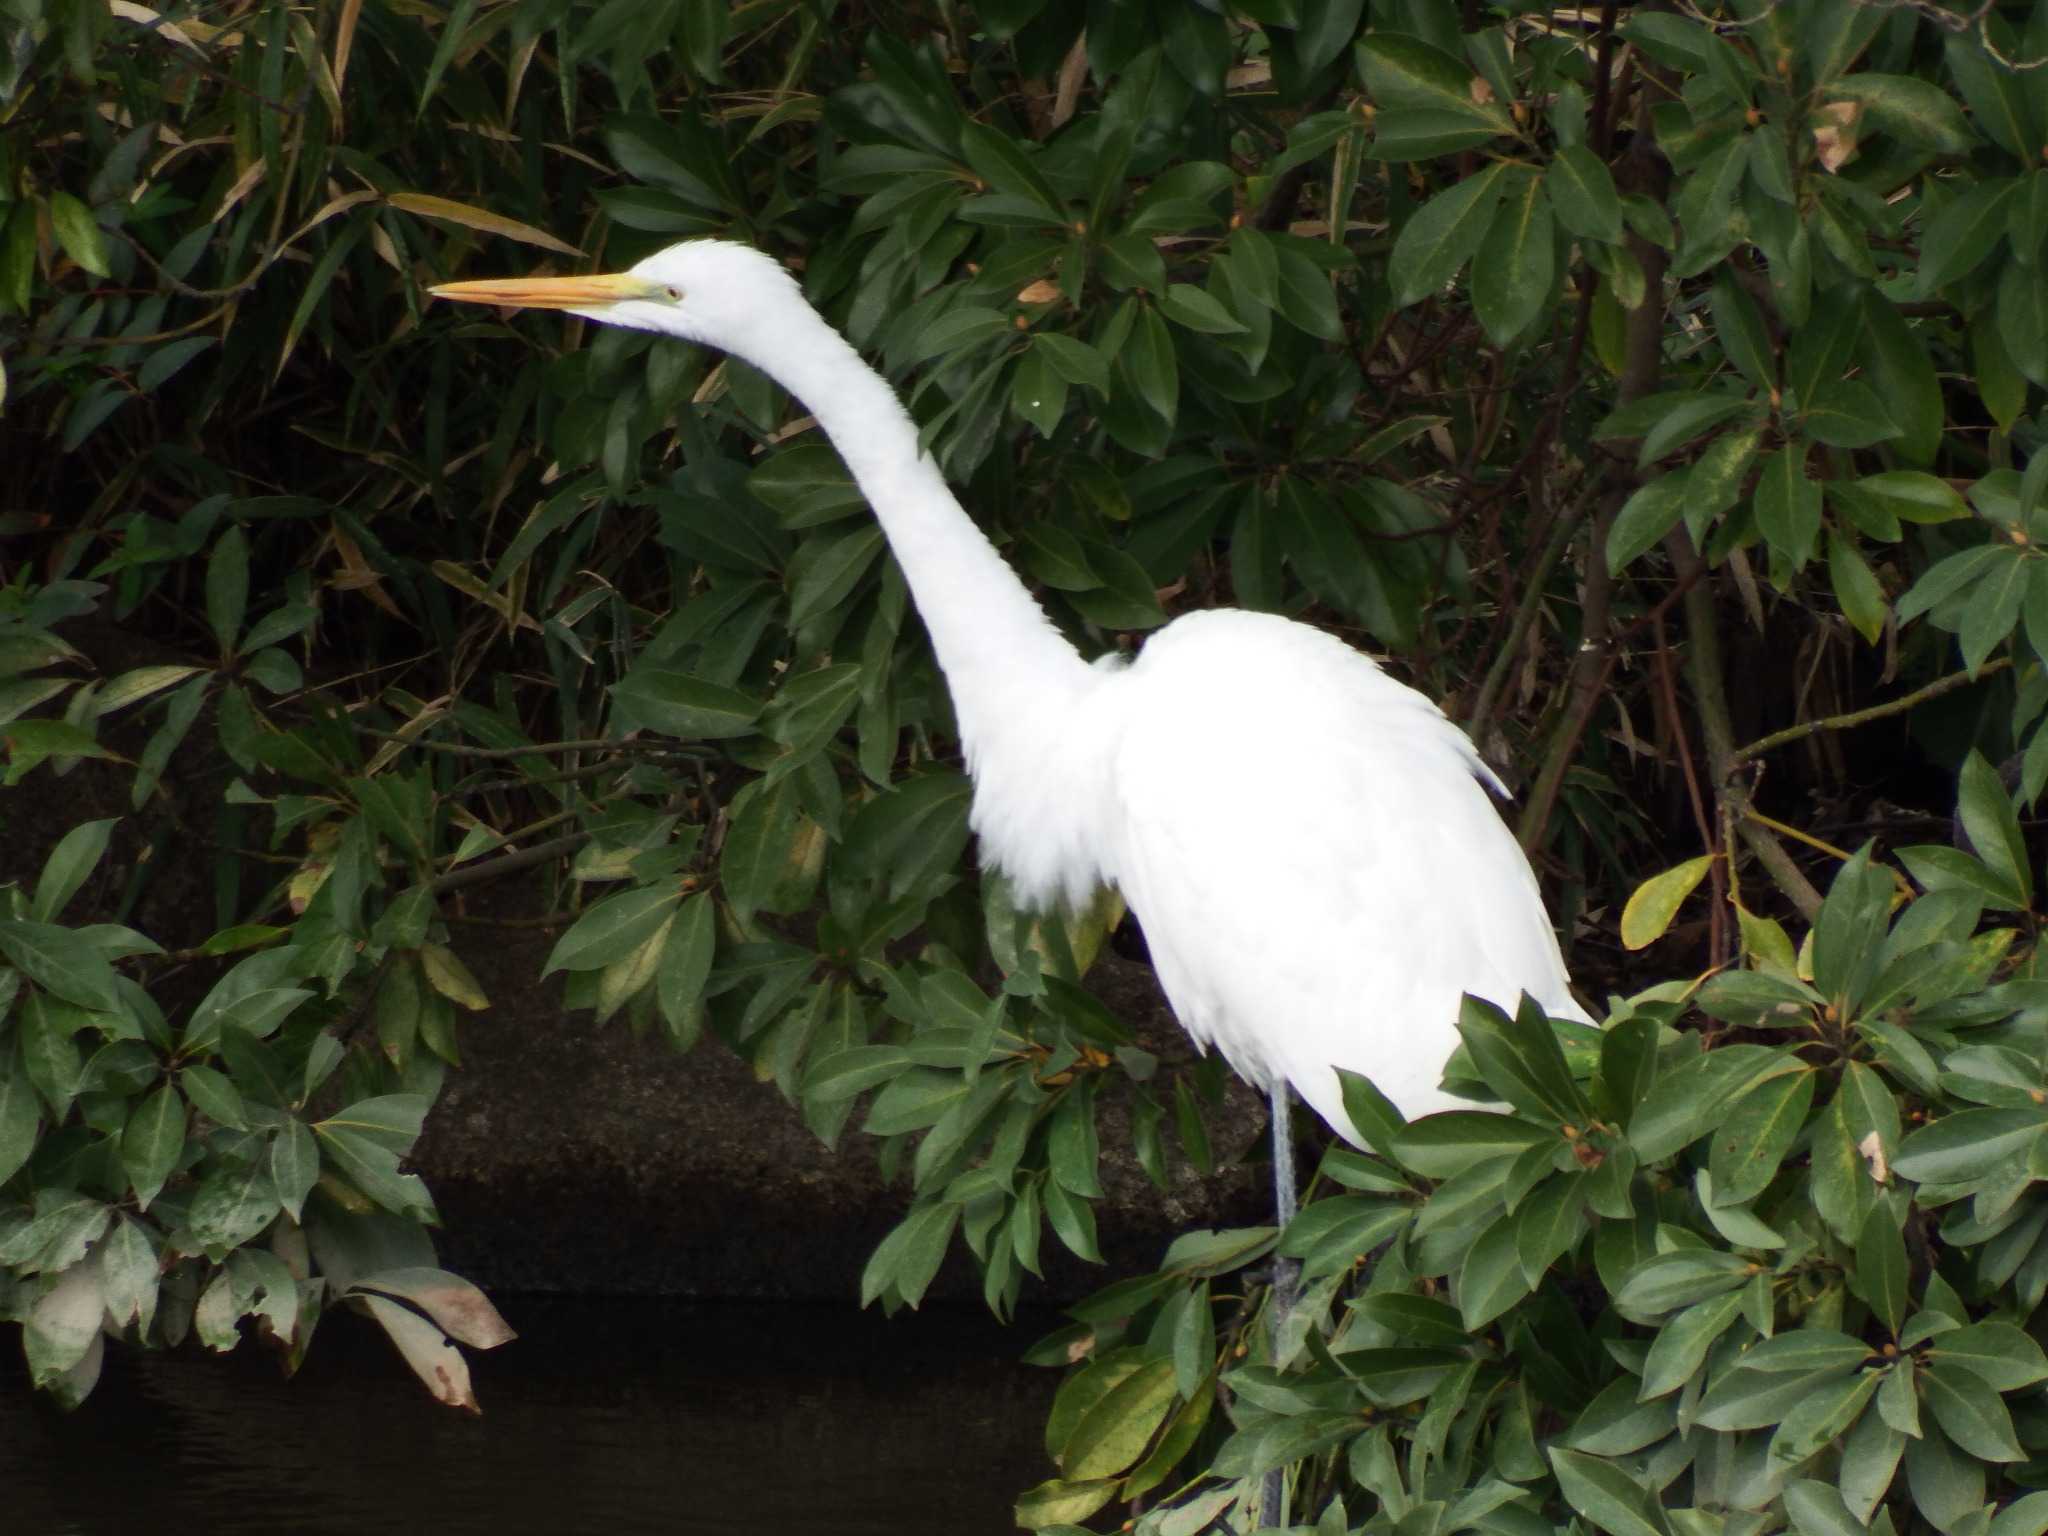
x,y
1854,718
1667,697
457,749
1531,605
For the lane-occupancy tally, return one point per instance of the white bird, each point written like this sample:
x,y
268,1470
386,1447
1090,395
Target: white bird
x,y
1308,844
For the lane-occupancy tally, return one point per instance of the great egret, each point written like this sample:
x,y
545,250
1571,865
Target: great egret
x,y
1308,844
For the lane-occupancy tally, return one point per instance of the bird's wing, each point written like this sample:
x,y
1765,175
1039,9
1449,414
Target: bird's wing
x,y
1317,868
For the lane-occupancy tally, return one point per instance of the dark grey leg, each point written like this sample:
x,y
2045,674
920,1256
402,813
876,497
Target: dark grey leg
x,y
1286,1276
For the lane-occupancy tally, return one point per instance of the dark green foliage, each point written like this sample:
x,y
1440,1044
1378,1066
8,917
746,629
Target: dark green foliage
x,y
1477,333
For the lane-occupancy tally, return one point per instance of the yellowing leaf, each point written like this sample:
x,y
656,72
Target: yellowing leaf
x,y
1767,944
78,234
479,219
448,976
1657,900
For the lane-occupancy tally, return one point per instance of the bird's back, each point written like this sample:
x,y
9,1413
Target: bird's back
x,y
1317,867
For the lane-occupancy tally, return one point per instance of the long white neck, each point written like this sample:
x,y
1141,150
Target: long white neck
x,y
1021,693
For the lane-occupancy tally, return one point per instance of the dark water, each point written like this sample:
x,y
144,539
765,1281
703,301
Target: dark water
x,y
610,1417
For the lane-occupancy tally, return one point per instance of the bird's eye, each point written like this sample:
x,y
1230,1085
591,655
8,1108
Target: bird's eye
x,y
673,294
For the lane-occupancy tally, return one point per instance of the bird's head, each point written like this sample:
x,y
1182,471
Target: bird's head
x,y
714,292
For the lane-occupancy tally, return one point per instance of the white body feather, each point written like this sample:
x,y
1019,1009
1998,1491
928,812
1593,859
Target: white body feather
x,y
1308,844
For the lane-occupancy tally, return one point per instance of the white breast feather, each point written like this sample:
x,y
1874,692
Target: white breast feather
x,y
1317,868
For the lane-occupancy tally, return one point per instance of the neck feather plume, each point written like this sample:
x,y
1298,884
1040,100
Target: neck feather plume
x,y
1034,722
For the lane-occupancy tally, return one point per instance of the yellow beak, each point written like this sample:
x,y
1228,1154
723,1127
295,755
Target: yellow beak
x,y
594,292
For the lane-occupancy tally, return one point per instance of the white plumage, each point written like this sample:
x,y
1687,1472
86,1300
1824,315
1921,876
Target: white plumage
x,y
1308,844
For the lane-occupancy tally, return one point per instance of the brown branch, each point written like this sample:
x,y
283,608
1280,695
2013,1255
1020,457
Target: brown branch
x,y
458,749
1667,698
509,864
1854,718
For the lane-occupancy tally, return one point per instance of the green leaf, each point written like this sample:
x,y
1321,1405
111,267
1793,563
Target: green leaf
x,y
958,331
1548,1225
1038,392
1856,587
1904,377
1056,1504
1971,1414
1402,70
1914,111
1957,242
1848,940
2000,384
1197,310
1742,1399
1947,1485
1424,133
1372,1114
1520,1059
1616,1423
166,359
678,704
1681,1345
76,231
77,854
1606,1495
20,1113
1846,413
1582,193
1682,1103
1666,1282
214,1096
294,1165
1073,1219
1739,325
1074,360
1149,363
1715,481
1491,1279
1113,1434
686,964
1870,1458
231,1206
1442,235
2002,1356
227,587
1756,1133
1628,1063
1963,1147
1003,164
62,962
1993,826
372,1168
826,571
1788,505
1441,1145
129,1272
152,1141
1808,1351
1652,511
1897,1401
806,484
1881,1273
1818,1509
1996,98
1515,271
613,928
2024,1516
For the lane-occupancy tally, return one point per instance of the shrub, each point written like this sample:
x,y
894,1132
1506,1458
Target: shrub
x,y
1512,340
